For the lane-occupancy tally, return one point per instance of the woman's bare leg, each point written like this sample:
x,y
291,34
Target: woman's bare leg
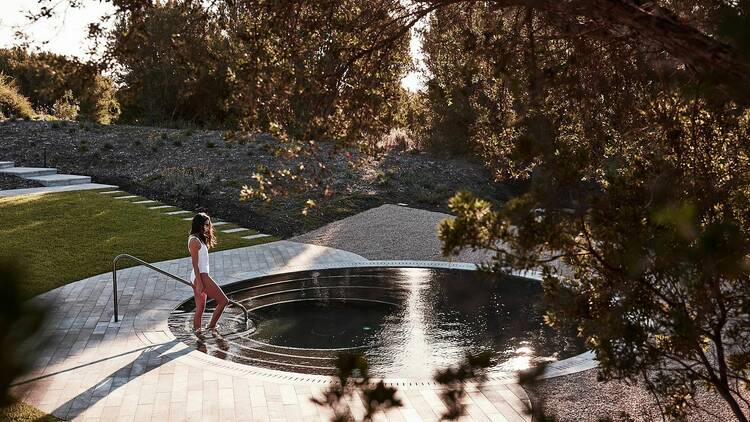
x,y
214,292
200,303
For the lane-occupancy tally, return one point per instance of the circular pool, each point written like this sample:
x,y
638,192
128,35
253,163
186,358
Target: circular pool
x,y
407,321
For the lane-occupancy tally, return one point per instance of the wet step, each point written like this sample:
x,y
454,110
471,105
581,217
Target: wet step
x,y
6,164
27,172
60,179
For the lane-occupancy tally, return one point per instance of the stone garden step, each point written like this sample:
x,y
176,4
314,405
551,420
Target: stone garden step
x,y
60,179
256,236
27,172
6,164
239,229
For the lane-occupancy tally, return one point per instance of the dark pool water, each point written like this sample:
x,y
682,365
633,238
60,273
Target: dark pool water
x,y
408,321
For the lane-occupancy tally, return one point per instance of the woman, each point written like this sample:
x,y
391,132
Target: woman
x,y
202,238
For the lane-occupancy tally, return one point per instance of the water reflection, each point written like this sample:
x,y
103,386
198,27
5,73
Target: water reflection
x,y
409,321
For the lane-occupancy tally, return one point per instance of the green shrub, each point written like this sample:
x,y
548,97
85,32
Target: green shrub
x,y
12,103
66,107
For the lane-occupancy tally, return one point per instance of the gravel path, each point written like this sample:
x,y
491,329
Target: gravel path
x,y
398,232
389,232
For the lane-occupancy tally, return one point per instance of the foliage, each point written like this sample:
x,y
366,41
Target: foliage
x,y
378,397
66,107
22,412
471,370
291,69
19,322
354,379
45,78
637,208
12,103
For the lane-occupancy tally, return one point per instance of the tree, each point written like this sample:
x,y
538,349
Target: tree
x,y
46,77
636,211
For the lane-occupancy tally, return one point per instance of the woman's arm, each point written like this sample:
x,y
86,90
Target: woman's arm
x,y
194,246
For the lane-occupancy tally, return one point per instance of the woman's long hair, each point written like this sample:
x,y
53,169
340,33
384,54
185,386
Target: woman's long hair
x,y
206,235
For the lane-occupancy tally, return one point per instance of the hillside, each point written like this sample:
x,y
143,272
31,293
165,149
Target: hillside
x,y
200,170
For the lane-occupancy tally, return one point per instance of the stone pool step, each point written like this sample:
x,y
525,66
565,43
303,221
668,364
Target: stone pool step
x,y
61,179
6,164
28,172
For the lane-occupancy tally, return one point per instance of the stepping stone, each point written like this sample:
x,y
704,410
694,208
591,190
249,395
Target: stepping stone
x,y
148,201
126,197
60,179
160,207
240,229
219,223
27,172
109,192
256,236
190,218
176,212
6,164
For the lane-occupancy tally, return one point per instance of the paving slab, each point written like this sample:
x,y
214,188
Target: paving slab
x,y
160,207
256,236
28,171
147,201
177,212
237,230
60,179
53,189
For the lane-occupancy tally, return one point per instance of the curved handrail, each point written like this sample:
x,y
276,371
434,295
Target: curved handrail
x,y
168,274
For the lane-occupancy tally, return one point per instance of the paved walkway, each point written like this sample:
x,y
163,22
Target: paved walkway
x,y
95,369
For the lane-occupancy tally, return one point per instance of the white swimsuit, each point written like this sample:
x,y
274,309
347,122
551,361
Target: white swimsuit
x,y
202,258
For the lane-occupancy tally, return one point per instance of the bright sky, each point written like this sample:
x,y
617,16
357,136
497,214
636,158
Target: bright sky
x,y
66,33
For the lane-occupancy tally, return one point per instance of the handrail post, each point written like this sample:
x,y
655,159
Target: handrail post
x,y
114,287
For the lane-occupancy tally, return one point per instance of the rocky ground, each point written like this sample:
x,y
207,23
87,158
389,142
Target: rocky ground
x,y
201,170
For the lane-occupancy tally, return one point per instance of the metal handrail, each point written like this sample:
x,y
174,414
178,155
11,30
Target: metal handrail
x,y
158,270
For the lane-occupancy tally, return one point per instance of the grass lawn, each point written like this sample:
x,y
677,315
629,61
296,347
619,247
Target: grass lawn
x,y
22,412
64,237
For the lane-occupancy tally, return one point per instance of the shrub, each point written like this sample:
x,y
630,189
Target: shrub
x,y
66,107
99,102
12,103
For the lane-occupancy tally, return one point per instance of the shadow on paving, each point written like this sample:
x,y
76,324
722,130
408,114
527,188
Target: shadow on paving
x,y
149,358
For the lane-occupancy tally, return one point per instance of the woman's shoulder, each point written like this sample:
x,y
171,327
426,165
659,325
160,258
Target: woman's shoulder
x,y
192,238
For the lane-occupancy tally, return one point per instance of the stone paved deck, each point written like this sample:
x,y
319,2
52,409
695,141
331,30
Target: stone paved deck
x,y
96,369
